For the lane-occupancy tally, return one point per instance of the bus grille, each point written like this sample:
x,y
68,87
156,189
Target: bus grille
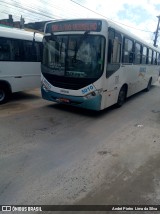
x,y
67,82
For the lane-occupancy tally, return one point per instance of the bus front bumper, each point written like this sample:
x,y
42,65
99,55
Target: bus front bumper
x,y
93,103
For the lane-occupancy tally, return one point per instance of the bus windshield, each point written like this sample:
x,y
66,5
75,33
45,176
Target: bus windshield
x,y
79,56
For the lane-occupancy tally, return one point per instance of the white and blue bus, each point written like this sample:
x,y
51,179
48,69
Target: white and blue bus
x,y
93,63
20,61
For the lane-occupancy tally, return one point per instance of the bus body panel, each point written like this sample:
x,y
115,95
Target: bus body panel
x,y
20,61
136,81
81,98
15,33
131,75
20,76
78,101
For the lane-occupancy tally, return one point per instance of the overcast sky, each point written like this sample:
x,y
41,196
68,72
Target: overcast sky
x,y
138,14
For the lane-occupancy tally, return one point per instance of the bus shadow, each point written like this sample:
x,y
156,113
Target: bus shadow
x,y
141,93
25,95
92,113
19,101
80,111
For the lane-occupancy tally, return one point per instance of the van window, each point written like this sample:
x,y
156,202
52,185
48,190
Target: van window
x,y
5,49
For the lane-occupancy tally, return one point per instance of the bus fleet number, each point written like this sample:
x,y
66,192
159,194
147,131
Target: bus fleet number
x,y
88,89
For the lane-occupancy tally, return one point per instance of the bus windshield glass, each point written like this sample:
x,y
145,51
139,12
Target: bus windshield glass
x,y
79,56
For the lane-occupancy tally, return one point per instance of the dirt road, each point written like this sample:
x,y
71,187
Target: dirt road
x,y
52,154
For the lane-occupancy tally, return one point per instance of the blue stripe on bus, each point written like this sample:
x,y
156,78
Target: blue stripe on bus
x,y
93,103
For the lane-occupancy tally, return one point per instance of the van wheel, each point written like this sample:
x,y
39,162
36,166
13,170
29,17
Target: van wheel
x,y
149,85
122,97
4,94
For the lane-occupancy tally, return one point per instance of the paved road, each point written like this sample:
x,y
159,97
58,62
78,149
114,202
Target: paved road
x,y
53,154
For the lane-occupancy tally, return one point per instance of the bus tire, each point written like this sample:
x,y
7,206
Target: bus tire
x,y
122,96
149,85
4,94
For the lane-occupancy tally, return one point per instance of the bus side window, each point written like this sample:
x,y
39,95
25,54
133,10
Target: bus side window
x,y
158,58
29,51
154,58
138,53
144,55
149,61
127,51
111,35
114,52
38,51
5,52
16,54
114,47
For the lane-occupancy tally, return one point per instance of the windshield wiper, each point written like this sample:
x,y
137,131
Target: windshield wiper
x,y
86,32
54,38
77,46
84,36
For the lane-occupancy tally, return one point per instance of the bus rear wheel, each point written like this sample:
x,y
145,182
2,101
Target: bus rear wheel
x,y
121,97
4,95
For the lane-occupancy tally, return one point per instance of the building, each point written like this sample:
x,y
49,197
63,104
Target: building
x,y
38,26
10,23
34,26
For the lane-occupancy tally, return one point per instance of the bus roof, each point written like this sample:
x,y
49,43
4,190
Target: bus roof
x,y
15,33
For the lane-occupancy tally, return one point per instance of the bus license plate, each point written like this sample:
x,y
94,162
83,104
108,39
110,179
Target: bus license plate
x,y
63,100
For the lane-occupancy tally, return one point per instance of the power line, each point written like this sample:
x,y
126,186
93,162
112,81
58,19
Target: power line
x,y
21,12
109,18
68,10
32,7
29,10
42,13
18,17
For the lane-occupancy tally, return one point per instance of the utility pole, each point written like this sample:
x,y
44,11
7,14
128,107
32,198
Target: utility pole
x,y
156,33
22,22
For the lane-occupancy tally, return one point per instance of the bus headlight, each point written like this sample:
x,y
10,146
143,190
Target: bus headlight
x,y
45,88
45,85
94,93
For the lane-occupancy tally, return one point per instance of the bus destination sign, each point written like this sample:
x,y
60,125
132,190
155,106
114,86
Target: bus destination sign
x,y
76,25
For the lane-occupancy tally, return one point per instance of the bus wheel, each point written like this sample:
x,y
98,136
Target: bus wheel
x,y
121,97
149,85
4,95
